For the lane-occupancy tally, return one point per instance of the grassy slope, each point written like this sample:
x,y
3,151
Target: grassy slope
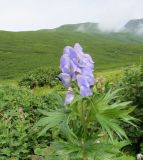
x,y
24,51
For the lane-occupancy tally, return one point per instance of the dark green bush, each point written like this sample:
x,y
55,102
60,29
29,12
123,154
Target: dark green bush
x,y
131,85
18,114
40,78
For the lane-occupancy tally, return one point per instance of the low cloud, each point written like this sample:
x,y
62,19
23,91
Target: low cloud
x,y
35,14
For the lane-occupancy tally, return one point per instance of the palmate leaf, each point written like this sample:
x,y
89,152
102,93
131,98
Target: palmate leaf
x,y
56,119
110,114
67,132
111,95
90,149
52,120
109,126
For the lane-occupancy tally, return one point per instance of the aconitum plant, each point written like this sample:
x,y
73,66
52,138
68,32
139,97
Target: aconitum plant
x,y
86,126
77,66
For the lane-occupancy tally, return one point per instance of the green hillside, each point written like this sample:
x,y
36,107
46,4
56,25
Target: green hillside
x,y
21,52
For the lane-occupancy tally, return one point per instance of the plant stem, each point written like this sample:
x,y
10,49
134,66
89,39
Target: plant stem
x,y
84,125
83,121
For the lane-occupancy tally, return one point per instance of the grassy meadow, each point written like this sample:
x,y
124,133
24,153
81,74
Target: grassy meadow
x,y
21,52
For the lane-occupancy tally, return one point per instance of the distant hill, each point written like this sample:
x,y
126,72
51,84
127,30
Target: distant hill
x,y
21,52
135,25
80,27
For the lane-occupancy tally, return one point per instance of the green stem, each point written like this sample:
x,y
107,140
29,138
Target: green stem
x,y
83,121
84,124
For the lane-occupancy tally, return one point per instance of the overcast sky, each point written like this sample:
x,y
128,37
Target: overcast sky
x,y
17,15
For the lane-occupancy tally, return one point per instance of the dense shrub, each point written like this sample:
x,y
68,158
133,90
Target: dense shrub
x,y
18,114
40,78
131,85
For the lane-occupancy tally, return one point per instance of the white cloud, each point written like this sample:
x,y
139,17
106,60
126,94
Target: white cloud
x,y
35,14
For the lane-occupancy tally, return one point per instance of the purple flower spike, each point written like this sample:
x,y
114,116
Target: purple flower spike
x,y
69,96
77,66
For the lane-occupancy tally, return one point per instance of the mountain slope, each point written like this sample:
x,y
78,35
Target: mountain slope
x,y
21,52
135,25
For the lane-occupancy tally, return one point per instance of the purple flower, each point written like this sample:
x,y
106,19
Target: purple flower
x,y
77,66
65,64
88,75
85,91
82,81
85,83
65,78
69,96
